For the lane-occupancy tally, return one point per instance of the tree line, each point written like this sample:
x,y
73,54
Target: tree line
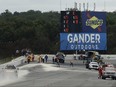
x,y
39,31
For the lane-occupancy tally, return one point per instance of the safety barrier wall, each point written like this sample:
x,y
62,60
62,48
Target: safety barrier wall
x,y
20,60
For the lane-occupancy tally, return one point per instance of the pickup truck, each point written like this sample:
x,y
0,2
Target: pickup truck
x,y
109,72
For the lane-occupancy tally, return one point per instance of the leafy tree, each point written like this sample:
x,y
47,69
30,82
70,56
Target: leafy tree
x,y
39,31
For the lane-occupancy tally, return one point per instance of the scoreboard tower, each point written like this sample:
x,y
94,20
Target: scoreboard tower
x,y
83,30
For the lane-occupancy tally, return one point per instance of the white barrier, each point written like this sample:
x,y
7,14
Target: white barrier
x,y
20,60
16,62
71,56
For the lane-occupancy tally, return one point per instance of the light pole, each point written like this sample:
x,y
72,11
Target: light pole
x,y
76,48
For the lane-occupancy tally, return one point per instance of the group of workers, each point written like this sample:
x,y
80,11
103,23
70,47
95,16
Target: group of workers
x,y
31,58
41,59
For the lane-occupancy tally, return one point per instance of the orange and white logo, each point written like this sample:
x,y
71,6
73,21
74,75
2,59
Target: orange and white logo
x,y
94,22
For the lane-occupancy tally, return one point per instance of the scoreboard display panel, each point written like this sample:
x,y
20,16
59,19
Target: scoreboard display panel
x,y
83,30
70,21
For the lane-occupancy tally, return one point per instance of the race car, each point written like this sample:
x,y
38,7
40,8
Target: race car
x,y
10,71
93,65
109,72
61,57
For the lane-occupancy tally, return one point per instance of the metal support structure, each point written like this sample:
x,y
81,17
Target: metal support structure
x,y
76,54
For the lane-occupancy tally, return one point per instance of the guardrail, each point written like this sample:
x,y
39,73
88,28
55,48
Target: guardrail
x,y
20,60
16,62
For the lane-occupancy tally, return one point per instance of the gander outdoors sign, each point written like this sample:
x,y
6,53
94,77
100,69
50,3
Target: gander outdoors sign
x,y
92,35
83,41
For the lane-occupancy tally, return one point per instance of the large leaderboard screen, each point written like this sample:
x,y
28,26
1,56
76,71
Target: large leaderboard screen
x,y
70,21
89,34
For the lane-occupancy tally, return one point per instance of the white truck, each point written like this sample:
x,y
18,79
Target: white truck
x,y
109,72
93,65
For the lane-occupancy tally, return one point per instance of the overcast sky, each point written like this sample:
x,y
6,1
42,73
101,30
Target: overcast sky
x,y
54,5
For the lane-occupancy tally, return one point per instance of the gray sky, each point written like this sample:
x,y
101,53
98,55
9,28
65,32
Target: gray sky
x,y
54,5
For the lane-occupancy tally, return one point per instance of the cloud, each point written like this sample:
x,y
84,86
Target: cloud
x,y
55,5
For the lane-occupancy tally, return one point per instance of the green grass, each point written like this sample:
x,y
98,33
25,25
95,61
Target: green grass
x,y
4,60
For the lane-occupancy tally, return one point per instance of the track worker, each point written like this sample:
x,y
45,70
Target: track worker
x,y
100,69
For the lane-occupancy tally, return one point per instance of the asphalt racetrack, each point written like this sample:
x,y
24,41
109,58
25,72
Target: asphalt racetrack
x,y
50,75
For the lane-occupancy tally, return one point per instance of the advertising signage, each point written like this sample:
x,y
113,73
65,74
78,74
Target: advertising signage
x,y
89,34
94,22
83,41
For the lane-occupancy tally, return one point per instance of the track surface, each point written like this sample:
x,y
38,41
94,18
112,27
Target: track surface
x,y
50,75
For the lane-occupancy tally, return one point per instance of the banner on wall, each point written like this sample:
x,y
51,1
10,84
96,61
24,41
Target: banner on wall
x,y
83,41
